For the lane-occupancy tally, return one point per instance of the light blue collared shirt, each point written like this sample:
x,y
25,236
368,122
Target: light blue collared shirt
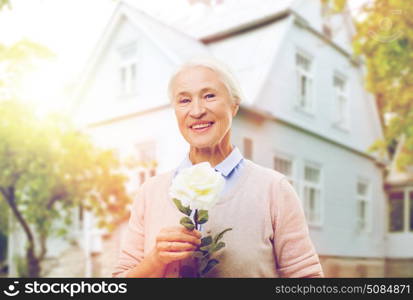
x,y
231,168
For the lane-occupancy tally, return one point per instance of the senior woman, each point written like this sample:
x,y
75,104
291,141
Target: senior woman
x,y
270,237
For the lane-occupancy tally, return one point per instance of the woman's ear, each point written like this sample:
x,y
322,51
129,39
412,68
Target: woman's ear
x,y
235,110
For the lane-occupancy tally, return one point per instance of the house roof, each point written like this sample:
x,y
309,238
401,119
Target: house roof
x,y
206,23
177,46
253,63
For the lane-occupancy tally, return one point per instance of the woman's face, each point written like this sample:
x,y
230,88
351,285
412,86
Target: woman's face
x,y
203,107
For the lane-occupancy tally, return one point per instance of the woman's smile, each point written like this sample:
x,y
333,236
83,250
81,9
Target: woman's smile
x,y
201,127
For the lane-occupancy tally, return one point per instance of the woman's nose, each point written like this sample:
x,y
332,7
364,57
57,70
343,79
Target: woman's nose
x,y
197,109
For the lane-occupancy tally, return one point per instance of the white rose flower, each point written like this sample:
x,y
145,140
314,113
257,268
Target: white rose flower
x,y
198,187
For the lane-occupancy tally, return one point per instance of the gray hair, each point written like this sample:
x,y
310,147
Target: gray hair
x,y
224,73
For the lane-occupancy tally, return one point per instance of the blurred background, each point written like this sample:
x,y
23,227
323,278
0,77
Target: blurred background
x,y
84,120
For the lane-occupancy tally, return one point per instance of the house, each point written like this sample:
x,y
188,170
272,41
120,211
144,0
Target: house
x,y
306,112
399,225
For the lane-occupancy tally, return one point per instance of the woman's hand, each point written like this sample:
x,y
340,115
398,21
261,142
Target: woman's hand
x,y
175,243
172,244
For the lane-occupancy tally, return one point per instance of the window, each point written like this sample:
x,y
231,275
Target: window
x,y
248,148
146,160
128,69
146,151
396,211
341,101
128,79
312,194
285,166
363,205
142,176
400,210
304,82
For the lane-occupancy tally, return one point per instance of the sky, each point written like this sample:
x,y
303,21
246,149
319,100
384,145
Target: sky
x,y
60,24
71,29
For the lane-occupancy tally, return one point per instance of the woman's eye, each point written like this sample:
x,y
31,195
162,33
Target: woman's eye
x,y
209,96
184,101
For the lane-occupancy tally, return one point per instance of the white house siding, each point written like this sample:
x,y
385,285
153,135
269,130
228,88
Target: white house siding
x,y
338,237
268,78
249,55
279,92
103,100
159,126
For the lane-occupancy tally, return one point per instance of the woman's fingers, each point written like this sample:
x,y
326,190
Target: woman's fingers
x,y
178,237
173,256
175,246
182,229
176,243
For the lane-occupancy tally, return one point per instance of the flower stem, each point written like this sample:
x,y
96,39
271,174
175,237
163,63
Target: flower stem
x,y
196,219
196,261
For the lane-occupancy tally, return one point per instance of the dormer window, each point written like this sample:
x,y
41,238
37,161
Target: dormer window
x,y
128,69
340,101
303,65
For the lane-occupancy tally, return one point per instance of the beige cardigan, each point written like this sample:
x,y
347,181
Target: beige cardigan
x,y
270,236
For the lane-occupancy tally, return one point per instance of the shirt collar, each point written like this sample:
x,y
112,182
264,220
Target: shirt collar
x,y
225,167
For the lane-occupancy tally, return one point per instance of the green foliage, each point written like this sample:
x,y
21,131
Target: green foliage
x,y
4,3
203,255
22,267
221,235
47,167
335,5
187,223
205,268
183,209
4,217
205,241
202,217
209,245
16,61
384,39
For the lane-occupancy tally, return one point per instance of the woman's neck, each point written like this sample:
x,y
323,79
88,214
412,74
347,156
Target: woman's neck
x,y
214,155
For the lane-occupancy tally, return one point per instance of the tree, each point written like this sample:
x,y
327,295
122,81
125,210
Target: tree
x,y
46,168
4,3
384,40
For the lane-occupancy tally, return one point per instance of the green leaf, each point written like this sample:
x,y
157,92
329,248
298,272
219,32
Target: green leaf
x,y
202,216
205,241
220,235
183,209
212,263
198,254
187,223
205,248
217,247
